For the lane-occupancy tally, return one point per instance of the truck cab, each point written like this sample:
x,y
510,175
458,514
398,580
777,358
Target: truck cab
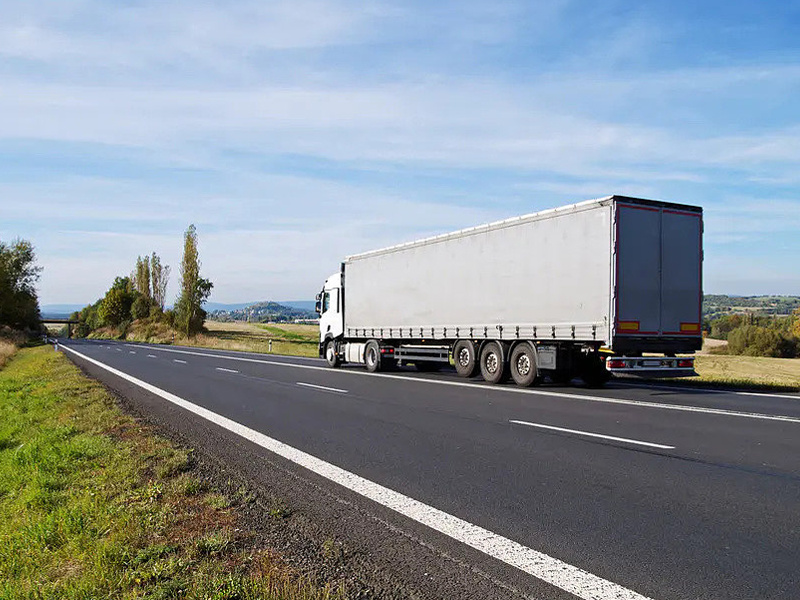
x,y
330,308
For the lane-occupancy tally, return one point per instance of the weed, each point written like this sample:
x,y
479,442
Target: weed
x,y
279,510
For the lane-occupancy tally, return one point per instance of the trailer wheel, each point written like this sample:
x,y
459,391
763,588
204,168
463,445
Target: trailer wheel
x,y
523,365
372,356
465,358
331,356
493,364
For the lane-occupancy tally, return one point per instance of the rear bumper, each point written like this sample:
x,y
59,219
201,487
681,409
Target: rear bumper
x,y
651,367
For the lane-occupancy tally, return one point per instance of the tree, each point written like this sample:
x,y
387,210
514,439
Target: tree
x,y
115,307
195,290
159,278
141,277
19,305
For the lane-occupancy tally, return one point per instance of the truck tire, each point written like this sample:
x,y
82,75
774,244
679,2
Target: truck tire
x,y
331,356
493,364
372,356
523,365
465,357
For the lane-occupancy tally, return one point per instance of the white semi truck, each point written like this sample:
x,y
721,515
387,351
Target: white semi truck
x,y
585,290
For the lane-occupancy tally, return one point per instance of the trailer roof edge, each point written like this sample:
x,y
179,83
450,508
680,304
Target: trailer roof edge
x,y
523,219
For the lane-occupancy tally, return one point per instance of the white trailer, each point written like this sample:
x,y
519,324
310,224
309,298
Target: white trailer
x,y
582,290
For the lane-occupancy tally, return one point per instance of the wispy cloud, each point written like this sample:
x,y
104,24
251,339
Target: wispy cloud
x,y
305,126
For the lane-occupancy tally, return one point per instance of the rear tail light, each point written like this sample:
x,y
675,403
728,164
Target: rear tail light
x,y
615,364
687,363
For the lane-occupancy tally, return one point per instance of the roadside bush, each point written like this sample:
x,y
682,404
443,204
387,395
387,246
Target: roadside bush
x,y
754,340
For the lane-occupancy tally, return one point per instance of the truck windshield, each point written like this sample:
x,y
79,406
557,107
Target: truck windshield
x,y
326,302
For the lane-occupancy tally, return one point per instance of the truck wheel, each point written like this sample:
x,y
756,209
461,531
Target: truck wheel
x,y
523,365
493,365
465,358
372,356
331,356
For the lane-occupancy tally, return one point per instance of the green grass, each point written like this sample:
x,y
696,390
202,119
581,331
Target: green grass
x,y
93,505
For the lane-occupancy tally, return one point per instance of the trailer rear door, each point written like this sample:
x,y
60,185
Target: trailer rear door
x,y
658,271
681,272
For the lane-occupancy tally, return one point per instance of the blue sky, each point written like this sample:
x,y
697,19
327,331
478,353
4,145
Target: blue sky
x,y
295,132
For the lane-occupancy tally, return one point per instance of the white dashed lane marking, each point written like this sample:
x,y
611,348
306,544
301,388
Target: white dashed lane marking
x,y
321,387
594,435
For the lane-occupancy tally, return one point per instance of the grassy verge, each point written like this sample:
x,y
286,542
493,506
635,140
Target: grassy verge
x,y
287,339
94,505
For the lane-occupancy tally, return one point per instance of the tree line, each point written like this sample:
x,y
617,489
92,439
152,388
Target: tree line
x,y
758,335
142,296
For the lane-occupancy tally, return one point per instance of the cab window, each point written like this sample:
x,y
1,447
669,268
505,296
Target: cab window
x,y
326,302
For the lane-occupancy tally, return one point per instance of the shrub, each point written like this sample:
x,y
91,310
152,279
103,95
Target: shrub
x,y
754,340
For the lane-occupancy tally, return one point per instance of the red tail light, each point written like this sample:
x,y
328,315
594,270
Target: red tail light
x,y
615,364
686,363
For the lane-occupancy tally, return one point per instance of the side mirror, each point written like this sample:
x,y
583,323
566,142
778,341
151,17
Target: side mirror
x,y
318,306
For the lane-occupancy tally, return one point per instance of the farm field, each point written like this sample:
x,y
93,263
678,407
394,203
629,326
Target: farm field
x,y
748,371
287,338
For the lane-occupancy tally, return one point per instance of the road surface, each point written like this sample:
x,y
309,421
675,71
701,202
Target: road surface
x,y
471,490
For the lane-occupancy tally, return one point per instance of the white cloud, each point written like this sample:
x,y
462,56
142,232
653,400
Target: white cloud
x,y
390,89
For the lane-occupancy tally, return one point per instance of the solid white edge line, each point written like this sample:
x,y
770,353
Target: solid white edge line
x,y
322,387
224,370
563,575
511,390
686,388
593,435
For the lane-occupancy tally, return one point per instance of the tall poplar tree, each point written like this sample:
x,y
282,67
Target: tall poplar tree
x,y
159,278
189,313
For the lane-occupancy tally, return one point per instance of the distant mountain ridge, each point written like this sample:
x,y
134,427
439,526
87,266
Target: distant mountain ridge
x,y
264,311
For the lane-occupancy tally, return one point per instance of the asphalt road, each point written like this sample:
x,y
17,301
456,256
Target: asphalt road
x,y
666,493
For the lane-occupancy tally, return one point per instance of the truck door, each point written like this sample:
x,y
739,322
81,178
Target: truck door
x,y
658,274
638,281
681,272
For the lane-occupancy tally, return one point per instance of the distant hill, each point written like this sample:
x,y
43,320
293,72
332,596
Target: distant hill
x,y
307,305
214,306
717,305
264,311
58,311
